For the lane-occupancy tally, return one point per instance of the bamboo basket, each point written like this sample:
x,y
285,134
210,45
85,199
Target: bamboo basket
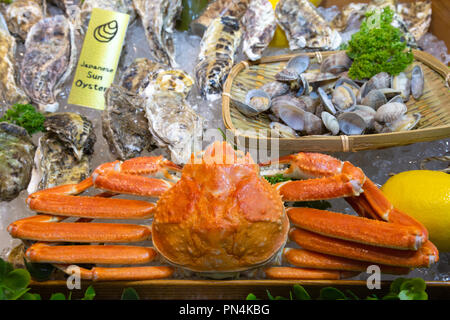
x,y
434,106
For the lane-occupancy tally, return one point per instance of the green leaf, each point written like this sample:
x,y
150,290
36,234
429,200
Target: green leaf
x,y
277,178
26,116
354,296
300,293
131,294
250,296
396,284
17,279
39,271
269,295
30,296
57,296
89,294
330,293
414,285
14,295
5,268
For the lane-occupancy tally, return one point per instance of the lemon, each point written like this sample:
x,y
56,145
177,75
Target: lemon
x,y
279,38
424,195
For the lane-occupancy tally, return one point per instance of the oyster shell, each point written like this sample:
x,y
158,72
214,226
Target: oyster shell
x,y
73,129
49,57
172,122
416,16
158,18
234,8
304,26
174,80
216,57
259,26
16,160
10,93
139,73
417,82
21,15
124,124
56,165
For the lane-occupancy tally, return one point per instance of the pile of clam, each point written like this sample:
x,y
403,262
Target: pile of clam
x,y
311,98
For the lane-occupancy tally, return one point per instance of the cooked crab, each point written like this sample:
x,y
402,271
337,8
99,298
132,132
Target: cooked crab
x,y
222,217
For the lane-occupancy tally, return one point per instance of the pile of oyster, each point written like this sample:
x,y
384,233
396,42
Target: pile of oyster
x,y
311,98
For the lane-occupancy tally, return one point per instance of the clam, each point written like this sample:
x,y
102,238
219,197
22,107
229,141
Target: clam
x,y
379,81
390,93
351,123
374,99
397,98
275,88
290,114
402,83
390,112
367,113
336,63
302,86
256,101
294,68
361,93
280,130
310,102
326,101
417,82
343,98
405,122
330,122
313,124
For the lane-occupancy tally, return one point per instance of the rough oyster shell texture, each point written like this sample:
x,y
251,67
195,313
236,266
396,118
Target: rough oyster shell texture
x,y
21,15
10,93
124,124
158,18
16,160
56,165
259,26
48,60
172,122
235,8
139,73
417,17
74,130
216,57
305,27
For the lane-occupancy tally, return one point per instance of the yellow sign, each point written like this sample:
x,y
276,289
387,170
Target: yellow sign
x,y
99,58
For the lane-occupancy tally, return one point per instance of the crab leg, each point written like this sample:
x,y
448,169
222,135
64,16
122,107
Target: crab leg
x,y
105,254
289,273
74,232
357,229
423,257
310,259
125,273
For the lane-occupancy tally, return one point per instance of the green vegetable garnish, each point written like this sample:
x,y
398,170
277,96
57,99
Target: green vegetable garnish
x,y
378,47
6,1
277,178
400,289
26,116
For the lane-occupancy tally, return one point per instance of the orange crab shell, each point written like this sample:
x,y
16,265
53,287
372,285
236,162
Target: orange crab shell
x,y
221,215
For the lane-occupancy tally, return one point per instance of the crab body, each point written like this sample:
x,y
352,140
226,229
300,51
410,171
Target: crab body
x,y
218,215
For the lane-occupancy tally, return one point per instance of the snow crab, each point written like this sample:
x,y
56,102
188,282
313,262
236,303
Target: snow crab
x,y
220,217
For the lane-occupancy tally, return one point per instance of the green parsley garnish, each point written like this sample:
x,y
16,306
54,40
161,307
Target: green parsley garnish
x,y
26,116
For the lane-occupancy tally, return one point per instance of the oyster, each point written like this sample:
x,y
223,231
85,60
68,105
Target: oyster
x,y
234,8
172,121
16,160
416,16
139,73
158,18
56,165
216,58
124,124
174,80
49,57
21,15
10,93
305,27
259,26
73,129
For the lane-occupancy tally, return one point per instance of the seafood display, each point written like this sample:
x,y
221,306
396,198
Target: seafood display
x,y
16,160
318,99
48,61
21,15
158,18
238,220
129,135
217,8
139,73
171,119
10,92
305,27
217,50
259,26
